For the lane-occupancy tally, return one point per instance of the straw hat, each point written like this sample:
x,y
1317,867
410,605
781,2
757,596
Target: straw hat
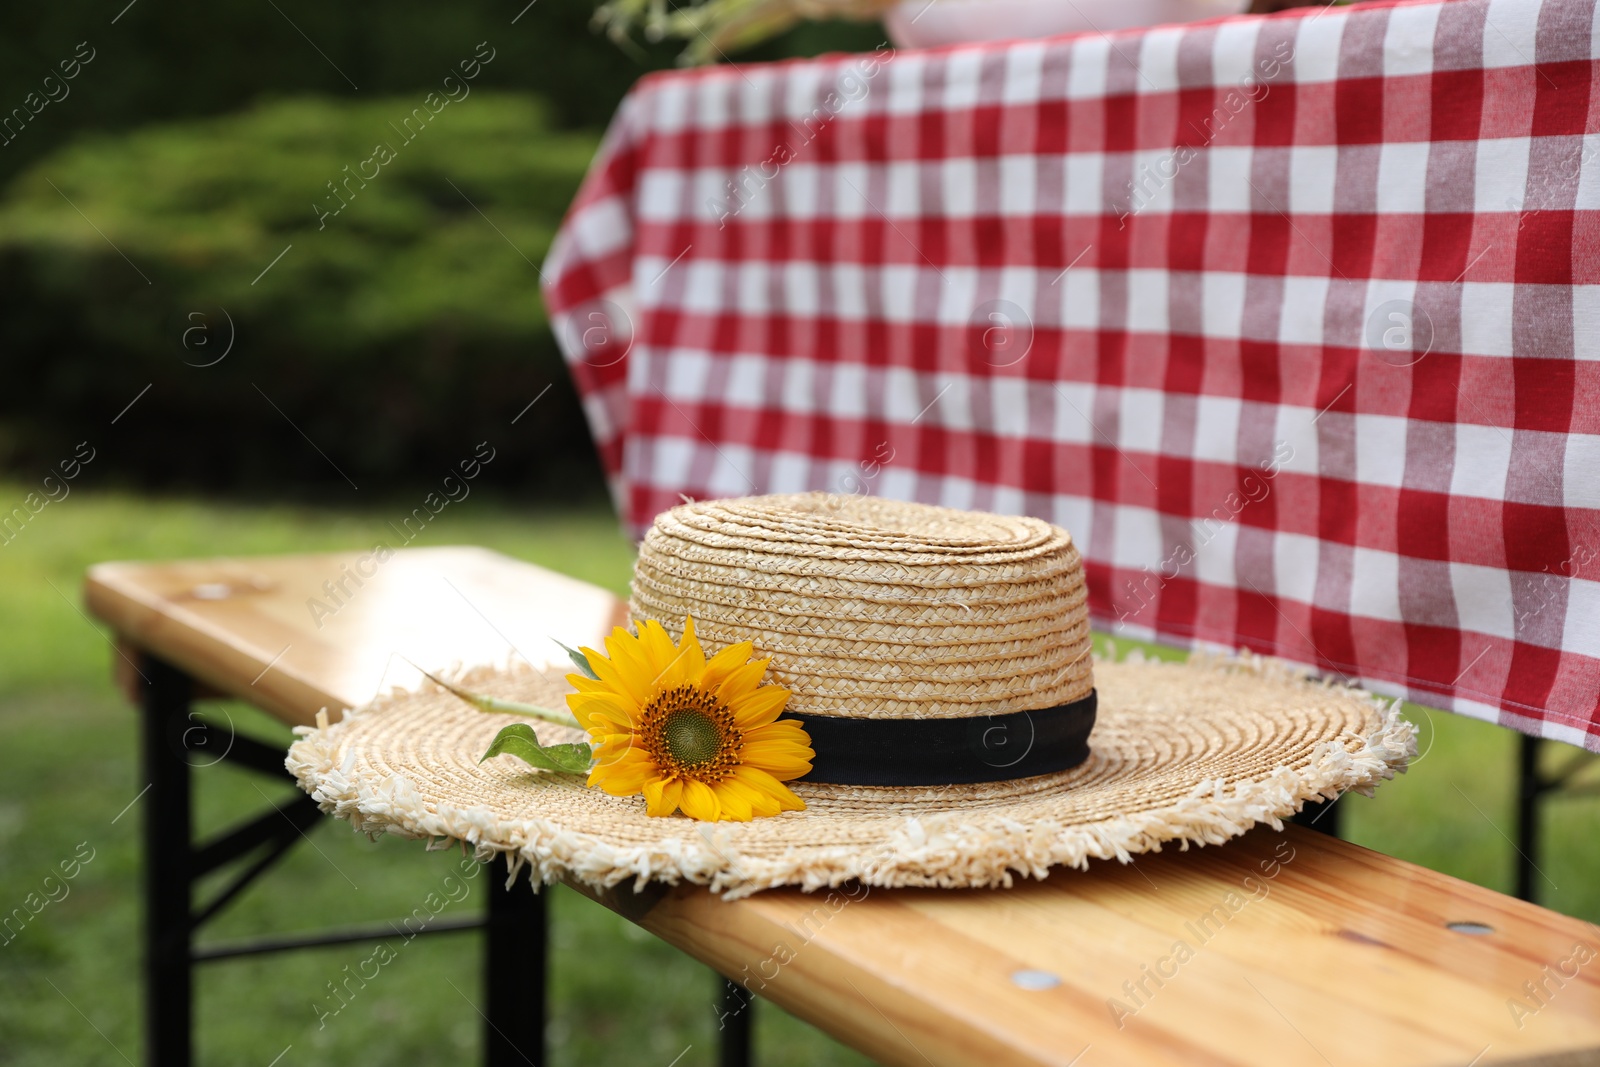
x,y
939,661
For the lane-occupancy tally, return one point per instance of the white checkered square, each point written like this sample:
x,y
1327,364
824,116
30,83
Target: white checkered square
x,y
1380,442
1147,301
670,106
1158,60
902,189
1300,319
661,192
1228,187
1512,37
1152,174
852,195
1296,431
1580,480
961,72
1294,566
1086,71
1486,318
1482,458
1403,177
755,289
1312,169
802,191
1139,420
801,288
1586,322
1408,44
1138,539
1084,173
1584,163
1080,298
848,397
958,188
1024,73
1582,629
1019,196
1316,50
1222,304
746,382
685,376
897,283
1375,585
712,103
1233,53
905,77
1501,178
797,381
1216,547
1071,423
1483,599
1216,431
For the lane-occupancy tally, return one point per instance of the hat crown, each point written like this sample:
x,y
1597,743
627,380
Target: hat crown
x,y
874,608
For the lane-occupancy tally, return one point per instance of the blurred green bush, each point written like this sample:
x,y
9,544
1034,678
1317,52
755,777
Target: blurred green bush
x,y
188,58
394,334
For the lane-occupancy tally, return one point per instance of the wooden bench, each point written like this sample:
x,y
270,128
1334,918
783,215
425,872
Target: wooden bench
x,y
1302,948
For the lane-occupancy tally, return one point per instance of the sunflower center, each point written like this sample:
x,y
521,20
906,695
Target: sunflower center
x,y
689,732
692,738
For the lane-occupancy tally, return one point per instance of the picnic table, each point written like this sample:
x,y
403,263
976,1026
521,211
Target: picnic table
x,y
1301,947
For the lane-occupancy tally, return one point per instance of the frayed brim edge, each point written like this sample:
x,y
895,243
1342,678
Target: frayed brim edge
x,y
949,849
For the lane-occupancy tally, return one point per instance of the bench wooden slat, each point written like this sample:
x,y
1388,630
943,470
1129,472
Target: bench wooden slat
x,y
1324,952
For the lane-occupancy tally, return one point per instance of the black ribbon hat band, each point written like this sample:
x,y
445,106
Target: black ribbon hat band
x,y
916,752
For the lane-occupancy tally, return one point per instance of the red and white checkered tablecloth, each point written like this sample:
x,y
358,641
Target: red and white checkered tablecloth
x,y
1293,321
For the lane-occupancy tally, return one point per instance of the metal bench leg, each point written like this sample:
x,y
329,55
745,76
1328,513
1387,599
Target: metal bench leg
x,y
514,972
735,1020
168,996
1323,816
1530,789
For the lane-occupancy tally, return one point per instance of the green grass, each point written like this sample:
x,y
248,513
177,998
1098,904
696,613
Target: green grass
x,y
67,773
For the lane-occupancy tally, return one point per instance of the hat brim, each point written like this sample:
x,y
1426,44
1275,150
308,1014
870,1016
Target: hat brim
x,y
1195,752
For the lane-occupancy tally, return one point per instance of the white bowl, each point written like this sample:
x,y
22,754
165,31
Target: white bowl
x,y
931,23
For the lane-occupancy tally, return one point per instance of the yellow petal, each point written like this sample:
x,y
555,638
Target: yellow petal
x,y
769,786
723,664
625,786
735,807
621,758
694,657
742,680
781,759
596,709
661,797
625,775
629,665
791,730
761,803
660,655
585,684
611,747
759,708
613,681
699,802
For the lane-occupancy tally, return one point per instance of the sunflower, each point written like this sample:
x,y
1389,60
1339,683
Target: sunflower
x,y
688,732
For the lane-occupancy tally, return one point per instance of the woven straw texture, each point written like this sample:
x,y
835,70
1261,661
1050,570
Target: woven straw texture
x,y
874,608
1196,752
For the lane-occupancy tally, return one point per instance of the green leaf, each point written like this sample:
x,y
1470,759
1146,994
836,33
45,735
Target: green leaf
x,y
502,707
519,740
580,660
